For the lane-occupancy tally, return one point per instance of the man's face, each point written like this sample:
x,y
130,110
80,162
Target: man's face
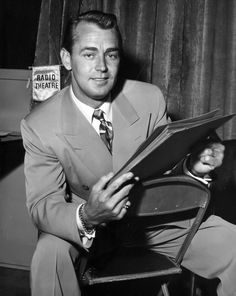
x,y
94,62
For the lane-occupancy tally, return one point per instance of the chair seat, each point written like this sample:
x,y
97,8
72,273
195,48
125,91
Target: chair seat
x,y
129,264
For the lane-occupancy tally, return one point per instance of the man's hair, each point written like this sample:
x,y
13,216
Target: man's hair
x,y
102,20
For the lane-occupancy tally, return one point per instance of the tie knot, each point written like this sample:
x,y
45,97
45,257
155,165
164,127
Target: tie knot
x,y
98,114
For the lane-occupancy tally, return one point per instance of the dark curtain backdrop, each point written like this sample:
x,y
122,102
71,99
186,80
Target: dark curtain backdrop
x,y
18,32
186,47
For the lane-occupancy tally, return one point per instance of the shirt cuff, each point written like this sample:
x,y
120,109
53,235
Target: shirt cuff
x,y
87,239
205,180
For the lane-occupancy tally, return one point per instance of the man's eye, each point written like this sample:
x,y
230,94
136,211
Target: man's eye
x,y
89,56
113,56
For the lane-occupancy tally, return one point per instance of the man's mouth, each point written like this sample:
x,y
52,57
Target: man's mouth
x,y
100,81
100,78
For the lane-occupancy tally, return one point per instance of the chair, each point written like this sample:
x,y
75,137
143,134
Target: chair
x,y
159,198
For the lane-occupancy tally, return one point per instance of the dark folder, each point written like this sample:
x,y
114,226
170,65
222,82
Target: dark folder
x,y
169,143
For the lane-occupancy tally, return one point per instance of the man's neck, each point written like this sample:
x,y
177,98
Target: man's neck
x,y
90,101
88,111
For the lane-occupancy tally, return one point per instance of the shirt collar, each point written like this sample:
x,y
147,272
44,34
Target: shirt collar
x,y
88,111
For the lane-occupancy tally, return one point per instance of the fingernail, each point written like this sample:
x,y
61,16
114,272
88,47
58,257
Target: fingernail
x,y
130,175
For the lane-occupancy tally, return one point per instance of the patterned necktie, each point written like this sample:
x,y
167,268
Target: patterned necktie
x,y
105,128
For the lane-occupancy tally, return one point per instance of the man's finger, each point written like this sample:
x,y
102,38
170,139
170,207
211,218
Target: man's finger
x,y
122,208
210,161
102,182
120,196
119,182
217,146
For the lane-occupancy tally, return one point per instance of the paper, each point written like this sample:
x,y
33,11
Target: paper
x,y
168,144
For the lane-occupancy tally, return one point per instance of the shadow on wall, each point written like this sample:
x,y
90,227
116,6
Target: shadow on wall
x,y
134,68
11,156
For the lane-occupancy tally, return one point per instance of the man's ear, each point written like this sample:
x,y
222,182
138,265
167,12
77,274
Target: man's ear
x,y
65,58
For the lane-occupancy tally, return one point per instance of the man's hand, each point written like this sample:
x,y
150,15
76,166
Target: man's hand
x,y
206,160
108,202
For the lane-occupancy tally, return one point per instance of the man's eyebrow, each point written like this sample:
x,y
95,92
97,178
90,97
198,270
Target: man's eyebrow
x,y
111,49
91,48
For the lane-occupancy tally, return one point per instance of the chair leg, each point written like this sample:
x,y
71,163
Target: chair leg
x,y
165,290
193,285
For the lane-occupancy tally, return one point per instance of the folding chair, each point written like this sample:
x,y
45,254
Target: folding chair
x,y
154,198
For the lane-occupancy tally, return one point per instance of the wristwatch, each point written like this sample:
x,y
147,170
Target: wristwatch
x,y
85,231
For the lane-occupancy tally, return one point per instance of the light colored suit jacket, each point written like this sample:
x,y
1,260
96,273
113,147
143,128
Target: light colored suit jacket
x,y
65,156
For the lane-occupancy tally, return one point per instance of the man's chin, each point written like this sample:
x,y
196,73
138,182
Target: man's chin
x,y
99,95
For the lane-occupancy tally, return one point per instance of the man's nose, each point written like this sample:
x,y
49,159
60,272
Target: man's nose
x,y
101,64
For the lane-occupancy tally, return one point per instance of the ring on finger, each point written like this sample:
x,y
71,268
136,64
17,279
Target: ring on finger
x,y
126,206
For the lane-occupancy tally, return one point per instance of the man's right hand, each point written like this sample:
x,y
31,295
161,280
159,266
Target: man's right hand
x,y
108,202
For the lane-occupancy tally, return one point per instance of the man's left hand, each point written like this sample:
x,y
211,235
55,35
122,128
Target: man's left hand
x,y
205,161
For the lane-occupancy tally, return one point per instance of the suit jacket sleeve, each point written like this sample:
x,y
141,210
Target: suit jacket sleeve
x,y
46,189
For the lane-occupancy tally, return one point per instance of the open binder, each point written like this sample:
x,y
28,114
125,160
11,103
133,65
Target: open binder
x,y
169,143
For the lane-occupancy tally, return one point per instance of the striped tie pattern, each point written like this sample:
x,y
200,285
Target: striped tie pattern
x,y
105,128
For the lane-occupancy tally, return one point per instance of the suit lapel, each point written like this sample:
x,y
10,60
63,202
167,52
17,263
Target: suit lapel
x,y
87,144
129,131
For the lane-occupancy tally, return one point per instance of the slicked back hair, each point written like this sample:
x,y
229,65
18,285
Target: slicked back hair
x,y
103,20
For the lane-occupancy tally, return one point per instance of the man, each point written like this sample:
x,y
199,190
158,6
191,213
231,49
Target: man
x,y
77,139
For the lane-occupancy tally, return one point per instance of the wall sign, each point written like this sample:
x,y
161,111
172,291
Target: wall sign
x,y
45,82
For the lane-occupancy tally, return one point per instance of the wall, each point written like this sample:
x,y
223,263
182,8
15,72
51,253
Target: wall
x,y
17,234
